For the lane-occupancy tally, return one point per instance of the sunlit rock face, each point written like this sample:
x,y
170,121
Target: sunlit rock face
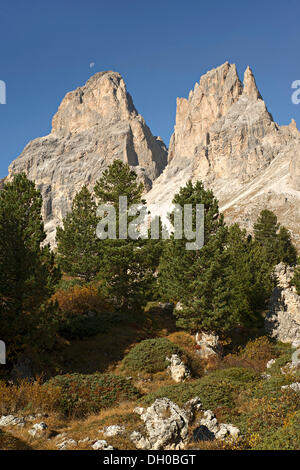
x,y
94,125
225,136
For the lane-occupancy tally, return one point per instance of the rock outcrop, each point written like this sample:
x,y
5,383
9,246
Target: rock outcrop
x,y
38,429
210,429
283,318
178,369
208,345
225,136
94,125
166,424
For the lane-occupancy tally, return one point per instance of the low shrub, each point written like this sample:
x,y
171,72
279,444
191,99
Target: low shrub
x,y
212,393
81,395
287,437
31,397
78,300
256,354
150,355
267,417
237,376
216,389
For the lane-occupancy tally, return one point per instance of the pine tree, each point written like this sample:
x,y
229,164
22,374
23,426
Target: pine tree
x,y
249,276
265,233
78,248
296,278
287,252
126,268
275,239
195,278
119,180
27,272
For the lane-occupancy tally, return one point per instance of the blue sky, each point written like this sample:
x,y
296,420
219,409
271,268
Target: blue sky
x,y
160,47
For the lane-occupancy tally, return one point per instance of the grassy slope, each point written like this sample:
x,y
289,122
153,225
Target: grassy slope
x,y
233,388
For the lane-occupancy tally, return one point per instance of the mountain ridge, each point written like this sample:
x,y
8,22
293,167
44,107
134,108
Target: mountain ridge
x,y
224,135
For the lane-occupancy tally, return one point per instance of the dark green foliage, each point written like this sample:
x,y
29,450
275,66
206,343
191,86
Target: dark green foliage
x,y
119,180
150,355
127,265
286,250
193,277
213,393
275,239
85,394
78,247
220,286
296,278
215,389
27,272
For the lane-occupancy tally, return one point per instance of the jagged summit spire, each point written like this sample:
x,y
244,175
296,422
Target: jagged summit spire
x,y
250,87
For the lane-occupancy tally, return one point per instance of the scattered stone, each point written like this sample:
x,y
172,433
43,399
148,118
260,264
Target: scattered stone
x,y
266,376
101,445
11,420
167,306
270,363
84,441
208,345
61,435
114,430
38,429
177,369
294,386
210,429
140,441
289,368
66,444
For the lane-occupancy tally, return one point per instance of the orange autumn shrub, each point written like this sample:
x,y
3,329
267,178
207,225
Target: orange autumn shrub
x,y
28,397
81,300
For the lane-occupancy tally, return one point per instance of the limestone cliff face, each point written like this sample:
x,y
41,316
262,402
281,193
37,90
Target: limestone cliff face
x,y
283,318
94,125
225,136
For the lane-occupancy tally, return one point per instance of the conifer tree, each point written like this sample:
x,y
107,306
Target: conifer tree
x,y
287,252
195,277
275,239
296,278
27,271
78,248
126,268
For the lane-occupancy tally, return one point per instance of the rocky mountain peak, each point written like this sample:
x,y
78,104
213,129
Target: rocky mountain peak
x,y
94,125
102,100
250,87
225,136
211,99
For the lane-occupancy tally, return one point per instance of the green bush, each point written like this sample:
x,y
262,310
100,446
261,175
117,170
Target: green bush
x,y
236,376
85,394
215,389
212,394
267,418
150,355
280,362
287,437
